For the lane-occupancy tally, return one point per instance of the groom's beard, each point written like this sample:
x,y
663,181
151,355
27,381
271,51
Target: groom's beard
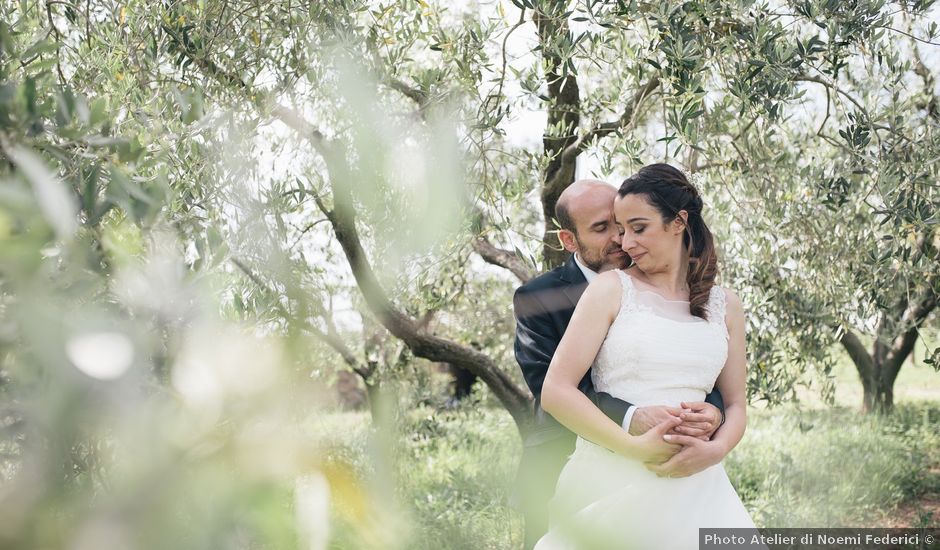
x,y
603,261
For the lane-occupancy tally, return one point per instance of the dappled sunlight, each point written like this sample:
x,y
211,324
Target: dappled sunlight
x,y
101,355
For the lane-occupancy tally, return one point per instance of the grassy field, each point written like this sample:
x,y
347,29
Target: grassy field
x,y
916,382
443,478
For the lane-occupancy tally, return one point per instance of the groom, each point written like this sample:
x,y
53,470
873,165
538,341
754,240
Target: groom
x,y
543,308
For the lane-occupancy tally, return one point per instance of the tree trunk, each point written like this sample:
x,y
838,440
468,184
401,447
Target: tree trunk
x,y
516,400
879,369
878,398
377,408
349,392
463,381
878,387
874,371
564,117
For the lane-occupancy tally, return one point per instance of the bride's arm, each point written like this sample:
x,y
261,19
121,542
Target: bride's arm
x,y
561,398
733,377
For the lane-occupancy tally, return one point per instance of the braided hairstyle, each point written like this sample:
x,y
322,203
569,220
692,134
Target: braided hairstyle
x,y
669,191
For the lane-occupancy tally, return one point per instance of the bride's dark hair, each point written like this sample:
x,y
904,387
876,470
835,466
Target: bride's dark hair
x,y
669,191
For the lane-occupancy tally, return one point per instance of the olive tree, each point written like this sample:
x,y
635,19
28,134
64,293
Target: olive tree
x,y
808,124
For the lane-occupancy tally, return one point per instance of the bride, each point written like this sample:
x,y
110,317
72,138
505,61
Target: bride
x,y
657,333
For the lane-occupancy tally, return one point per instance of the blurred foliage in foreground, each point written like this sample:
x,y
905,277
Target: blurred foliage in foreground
x,y
173,261
133,414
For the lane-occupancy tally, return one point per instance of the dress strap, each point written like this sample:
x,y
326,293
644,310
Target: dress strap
x,y
717,307
627,297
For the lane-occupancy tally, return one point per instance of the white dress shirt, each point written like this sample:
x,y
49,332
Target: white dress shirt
x,y
590,275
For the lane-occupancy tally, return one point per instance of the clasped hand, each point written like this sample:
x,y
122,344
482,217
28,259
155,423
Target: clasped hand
x,y
676,442
699,419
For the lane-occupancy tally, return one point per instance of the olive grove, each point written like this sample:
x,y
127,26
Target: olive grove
x,y
363,183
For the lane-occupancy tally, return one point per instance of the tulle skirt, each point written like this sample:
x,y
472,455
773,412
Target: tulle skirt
x,y
604,500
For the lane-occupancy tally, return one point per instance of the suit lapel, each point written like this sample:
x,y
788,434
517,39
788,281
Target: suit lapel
x,y
575,282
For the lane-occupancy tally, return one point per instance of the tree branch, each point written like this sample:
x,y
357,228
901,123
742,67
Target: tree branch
x,y
626,119
416,95
337,344
833,87
342,218
571,152
204,63
913,317
296,121
921,70
502,72
707,166
329,338
858,354
858,105
909,35
502,258
430,347
288,116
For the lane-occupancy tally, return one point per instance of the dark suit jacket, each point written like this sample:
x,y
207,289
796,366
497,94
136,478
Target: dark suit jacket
x,y
543,309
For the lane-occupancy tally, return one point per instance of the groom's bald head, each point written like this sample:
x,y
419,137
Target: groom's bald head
x,y
585,213
579,199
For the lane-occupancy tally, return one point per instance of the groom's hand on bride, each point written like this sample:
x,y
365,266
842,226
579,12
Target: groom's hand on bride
x,y
699,419
695,456
645,418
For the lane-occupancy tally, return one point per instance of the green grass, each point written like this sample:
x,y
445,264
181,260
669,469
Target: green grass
x,y
836,467
453,472
449,474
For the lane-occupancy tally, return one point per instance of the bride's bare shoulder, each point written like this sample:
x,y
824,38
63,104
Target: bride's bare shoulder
x,y
732,298
602,297
608,281
606,286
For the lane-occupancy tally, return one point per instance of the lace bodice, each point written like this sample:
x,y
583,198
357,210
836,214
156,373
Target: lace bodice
x,y
657,353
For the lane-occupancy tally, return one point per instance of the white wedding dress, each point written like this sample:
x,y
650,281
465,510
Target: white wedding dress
x,y
655,353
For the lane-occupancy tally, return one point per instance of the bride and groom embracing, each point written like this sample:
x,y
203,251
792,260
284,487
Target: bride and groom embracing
x,y
631,346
